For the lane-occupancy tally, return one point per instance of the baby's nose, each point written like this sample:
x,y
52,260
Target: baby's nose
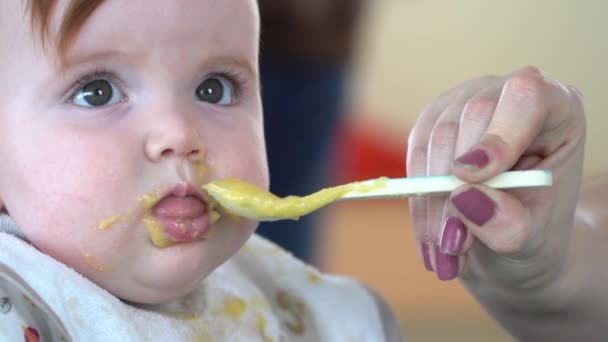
x,y
176,138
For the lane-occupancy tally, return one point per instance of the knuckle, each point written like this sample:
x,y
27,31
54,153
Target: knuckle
x,y
576,94
416,160
532,70
525,87
573,105
416,139
577,106
479,109
444,134
430,111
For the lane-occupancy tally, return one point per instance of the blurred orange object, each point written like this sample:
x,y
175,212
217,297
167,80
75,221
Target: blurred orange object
x,y
363,153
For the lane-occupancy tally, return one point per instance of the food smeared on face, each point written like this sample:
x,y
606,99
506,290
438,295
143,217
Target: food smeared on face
x,y
179,216
106,223
94,263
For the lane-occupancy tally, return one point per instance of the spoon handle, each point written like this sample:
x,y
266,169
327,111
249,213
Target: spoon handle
x,y
419,186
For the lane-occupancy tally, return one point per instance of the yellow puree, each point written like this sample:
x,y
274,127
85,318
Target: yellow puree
x,y
243,199
94,263
105,224
155,231
240,198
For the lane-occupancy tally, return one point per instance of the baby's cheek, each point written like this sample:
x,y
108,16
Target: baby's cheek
x,y
252,169
239,154
59,249
58,238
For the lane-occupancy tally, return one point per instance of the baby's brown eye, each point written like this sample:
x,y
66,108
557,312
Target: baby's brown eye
x,y
97,93
215,90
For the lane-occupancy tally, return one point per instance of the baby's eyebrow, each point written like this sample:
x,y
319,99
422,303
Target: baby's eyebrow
x,y
232,61
213,61
77,59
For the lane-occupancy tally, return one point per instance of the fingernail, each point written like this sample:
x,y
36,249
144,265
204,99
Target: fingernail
x,y
452,236
426,256
447,265
475,206
476,158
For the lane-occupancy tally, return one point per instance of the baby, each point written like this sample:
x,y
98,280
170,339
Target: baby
x,y
113,114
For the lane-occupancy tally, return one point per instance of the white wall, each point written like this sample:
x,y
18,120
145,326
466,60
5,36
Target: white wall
x,y
415,49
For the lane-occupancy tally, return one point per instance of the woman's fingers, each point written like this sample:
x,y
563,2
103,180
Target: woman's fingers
x,y
459,119
497,218
476,116
455,238
419,144
529,107
477,130
417,149
440,154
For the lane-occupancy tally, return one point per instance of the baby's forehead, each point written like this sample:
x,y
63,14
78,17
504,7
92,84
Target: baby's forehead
x,y
15,30
10,8
235,22
173,29
19,28
13,18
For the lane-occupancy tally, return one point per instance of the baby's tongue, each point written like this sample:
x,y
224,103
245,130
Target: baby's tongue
x,y
188,207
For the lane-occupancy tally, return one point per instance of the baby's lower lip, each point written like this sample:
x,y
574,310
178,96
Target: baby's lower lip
x,y
182,218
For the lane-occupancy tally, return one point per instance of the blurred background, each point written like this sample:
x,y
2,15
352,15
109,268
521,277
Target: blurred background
x,y
404,53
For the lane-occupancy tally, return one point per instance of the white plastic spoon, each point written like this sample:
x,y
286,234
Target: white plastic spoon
x,y
430,185
246,200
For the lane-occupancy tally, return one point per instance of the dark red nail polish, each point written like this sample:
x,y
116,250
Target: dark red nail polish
x,y
476,158
426,256
447,265
453,236
475,206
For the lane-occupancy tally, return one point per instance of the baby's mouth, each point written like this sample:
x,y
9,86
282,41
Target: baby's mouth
x,y
183,218
180,216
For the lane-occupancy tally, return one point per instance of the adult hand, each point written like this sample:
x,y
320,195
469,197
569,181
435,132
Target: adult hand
x,y
515,239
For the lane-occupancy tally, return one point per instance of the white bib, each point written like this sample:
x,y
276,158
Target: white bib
x,y
261,294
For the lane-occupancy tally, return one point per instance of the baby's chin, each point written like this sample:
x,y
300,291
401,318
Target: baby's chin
x,y
151,282
144,294
154,296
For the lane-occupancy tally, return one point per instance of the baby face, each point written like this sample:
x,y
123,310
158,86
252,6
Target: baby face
x,y
152,102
